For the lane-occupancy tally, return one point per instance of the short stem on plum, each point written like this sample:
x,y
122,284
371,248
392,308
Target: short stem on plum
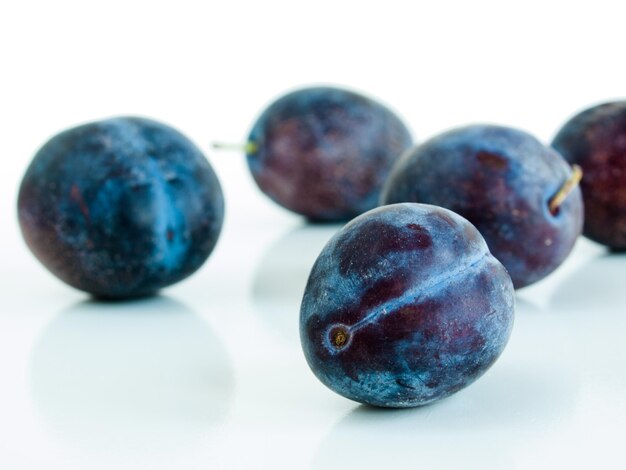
x,y
248,147
563,192
339,336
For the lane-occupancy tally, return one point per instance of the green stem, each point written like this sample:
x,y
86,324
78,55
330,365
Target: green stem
x,y
568,186
248,147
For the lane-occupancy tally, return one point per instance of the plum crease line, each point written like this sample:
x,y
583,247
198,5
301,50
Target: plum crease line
x,y
415,294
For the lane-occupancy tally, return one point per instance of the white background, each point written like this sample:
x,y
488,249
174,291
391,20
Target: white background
x,y
210,375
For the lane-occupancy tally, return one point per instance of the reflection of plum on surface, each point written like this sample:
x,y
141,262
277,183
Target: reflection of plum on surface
x,y
601,281
590,303
119,377
281,276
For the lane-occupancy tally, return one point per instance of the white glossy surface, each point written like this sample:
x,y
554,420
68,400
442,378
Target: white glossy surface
x,y
210,374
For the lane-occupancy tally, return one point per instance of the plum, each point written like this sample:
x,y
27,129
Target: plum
x,y
325,152
121,207
404,306
521,195
595,139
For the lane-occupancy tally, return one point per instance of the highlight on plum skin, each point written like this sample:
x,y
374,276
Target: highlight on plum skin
x,y
325,152
120,208
523,197
595,139
405,306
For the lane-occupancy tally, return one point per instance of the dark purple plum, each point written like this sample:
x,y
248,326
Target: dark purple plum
x,y
404,306
325,152
595,139
521,195
120,208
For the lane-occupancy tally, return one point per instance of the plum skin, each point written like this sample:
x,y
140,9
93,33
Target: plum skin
x,y
502,180
404,306
120,207
595,139
324,152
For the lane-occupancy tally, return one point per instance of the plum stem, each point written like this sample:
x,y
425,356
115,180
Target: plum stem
x,y
568,186
248,147
340,338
